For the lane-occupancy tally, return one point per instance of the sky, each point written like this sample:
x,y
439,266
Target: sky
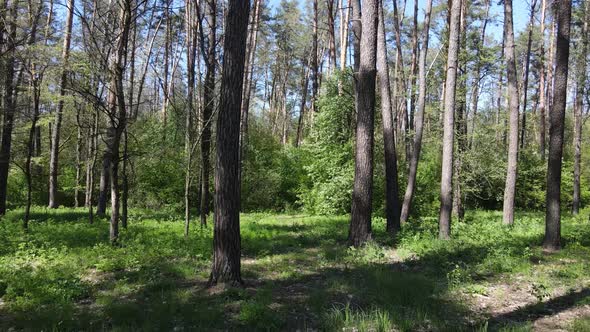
x,y
520,8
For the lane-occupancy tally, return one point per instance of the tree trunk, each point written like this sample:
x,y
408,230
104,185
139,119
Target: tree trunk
x,y
35,90
54,153
304,88
525,84
362,195
226,232
552,241
250,57
208,107
191,54
477,74
314,59
512,87
118,111
413,169
9,99
331,35
542,84
581,67
446,184
78,158
392,205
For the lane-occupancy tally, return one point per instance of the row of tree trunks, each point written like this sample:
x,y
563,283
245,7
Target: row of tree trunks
x,y
419,118
55,134
392,204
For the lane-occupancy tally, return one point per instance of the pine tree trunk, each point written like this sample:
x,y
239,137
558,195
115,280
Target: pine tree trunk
x,y
552,241
362,195
525,84
542,84
446,185
191,54
512,87
226,232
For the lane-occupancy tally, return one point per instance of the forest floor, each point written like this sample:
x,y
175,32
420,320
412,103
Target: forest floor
x,y
64,275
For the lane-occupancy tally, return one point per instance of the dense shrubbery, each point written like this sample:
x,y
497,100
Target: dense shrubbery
x,y
316,177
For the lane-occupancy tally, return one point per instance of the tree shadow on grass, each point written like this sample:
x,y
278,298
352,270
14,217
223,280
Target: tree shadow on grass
x,y
539,310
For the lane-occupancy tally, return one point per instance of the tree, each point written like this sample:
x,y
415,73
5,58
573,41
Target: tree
x,y
226,231
362,195
446,184
55,134
512,92
9,43
208,107
392,205
421,105
552,241
542,84
581,67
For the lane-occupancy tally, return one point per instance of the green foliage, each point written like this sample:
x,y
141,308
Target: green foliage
x,y
328,152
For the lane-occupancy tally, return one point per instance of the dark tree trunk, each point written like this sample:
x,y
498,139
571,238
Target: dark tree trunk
x,y
417,144
9,100
446,184
512,87
226,232
314,59
208,107
552,241
581,67
362,195
103,187
304,88
392,204
54,153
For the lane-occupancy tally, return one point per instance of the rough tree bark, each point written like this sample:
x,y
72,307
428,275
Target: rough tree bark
x,y
226,232
552,241
417,143
191,54
512,93
55,134
446,184
362,195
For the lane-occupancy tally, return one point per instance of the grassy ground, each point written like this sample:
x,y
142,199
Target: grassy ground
x,y
63,275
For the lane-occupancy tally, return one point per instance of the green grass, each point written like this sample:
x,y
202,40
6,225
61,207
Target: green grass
x,y
64,275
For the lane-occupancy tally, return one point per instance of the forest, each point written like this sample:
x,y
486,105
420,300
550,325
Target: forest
x,y
294,165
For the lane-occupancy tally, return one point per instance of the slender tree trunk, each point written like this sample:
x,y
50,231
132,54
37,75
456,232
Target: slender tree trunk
x,y
581,68
362,195
118,112
78,158
331,35
314,59
167,47
250,57
35,90
446,184
413,169
54,153
413,70
304,88
191,54
477,75
552,241
525,80
226,232
392,204
345,10
542,84
512,87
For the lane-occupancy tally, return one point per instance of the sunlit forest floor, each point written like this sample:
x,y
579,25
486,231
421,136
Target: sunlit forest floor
x,y
299,274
